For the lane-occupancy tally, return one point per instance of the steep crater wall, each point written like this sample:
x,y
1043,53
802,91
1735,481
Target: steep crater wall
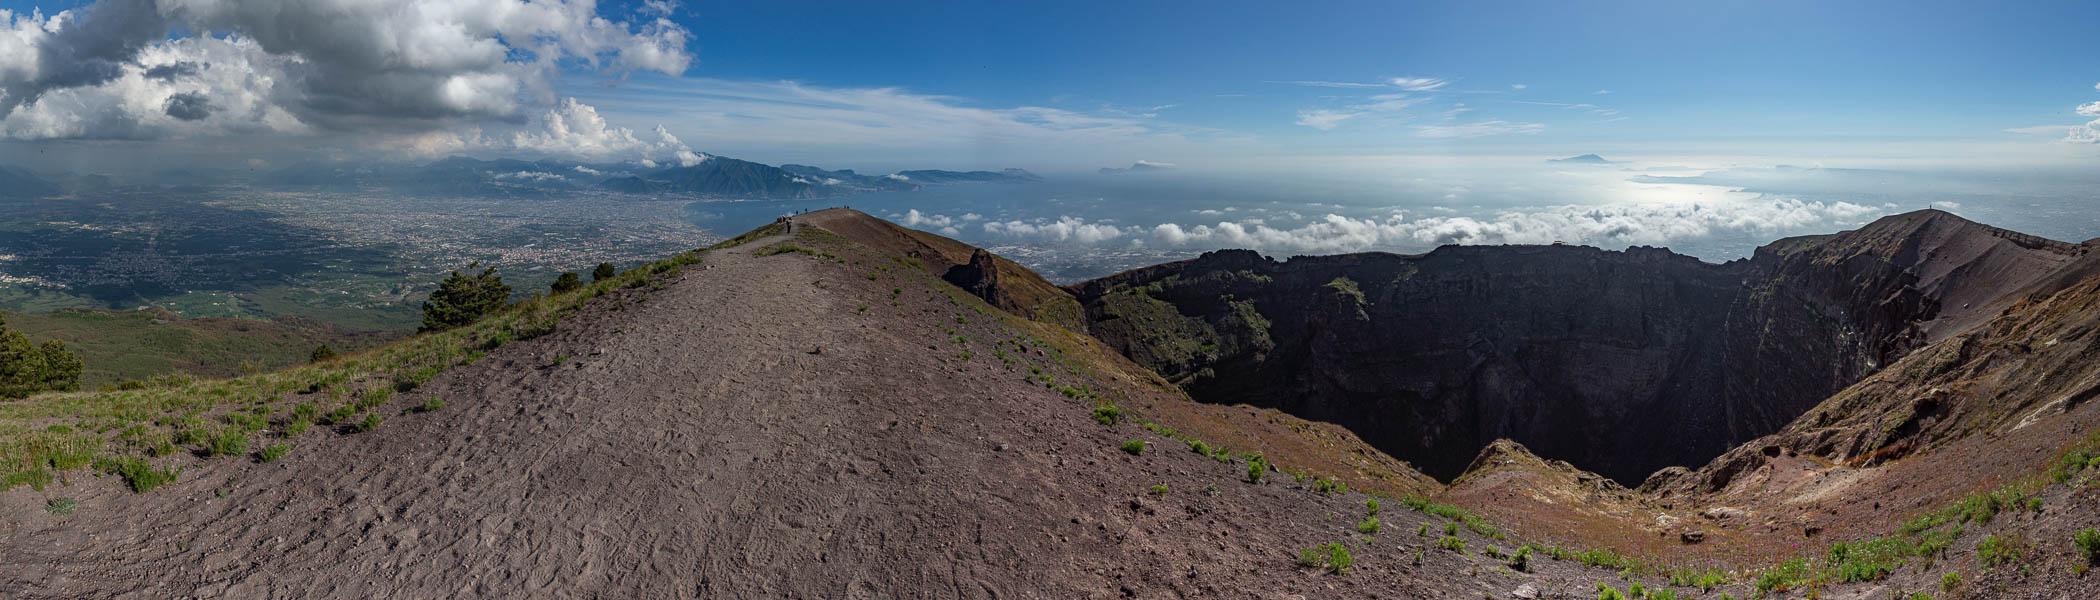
x,y
1619,362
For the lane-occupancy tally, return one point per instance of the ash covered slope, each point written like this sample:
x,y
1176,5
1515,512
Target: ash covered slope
x,y
766,422
1975,406
1432,356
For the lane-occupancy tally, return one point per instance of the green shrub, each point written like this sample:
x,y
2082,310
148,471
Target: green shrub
x,y
1159,490
2087,541
1332,555
1521,561
275,451
1996,550
1328,486
1369,526
61,506
371,422
321,353
1950,582
1371,506
1108,414
1452,543
1607,592
1637,590
1134,447
603,272
1783,577
1257,469
1662,594
1451,528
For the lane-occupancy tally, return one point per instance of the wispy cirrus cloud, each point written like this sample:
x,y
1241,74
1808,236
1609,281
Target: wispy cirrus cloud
x,y
788,118
1324,119
1478,129
1393,108
1381,104
1334,84
1420,84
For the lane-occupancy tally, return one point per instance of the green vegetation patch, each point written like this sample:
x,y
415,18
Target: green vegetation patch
x,y
1332,556
115,430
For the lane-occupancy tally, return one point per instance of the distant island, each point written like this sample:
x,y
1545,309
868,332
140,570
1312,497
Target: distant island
x,y
1137,167
1588,159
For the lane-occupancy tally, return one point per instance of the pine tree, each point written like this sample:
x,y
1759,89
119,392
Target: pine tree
x,y
567,281
321,353
603,272
462,299
27,368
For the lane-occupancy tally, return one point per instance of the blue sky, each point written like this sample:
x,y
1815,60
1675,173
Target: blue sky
x,y
1073,86
1844,78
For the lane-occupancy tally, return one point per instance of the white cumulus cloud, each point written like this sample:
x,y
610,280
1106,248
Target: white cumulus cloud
x,y
574,129
1063,229
2088,133
1608,226
428,74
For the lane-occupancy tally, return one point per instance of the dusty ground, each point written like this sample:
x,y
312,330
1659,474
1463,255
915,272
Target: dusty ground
x,y
804,425
694,442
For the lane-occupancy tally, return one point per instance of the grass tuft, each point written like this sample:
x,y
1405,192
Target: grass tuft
x,y
275,451
138,473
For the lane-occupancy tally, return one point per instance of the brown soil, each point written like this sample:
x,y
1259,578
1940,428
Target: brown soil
x,y
790,426
747,431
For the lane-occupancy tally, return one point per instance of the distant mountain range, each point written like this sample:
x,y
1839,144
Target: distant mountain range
x,y
714,176
1590,159
20,183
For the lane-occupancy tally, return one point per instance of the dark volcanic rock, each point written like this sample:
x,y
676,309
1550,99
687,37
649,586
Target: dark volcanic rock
x,y
1620,362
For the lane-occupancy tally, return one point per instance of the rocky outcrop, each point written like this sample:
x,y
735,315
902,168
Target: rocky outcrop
x,y
2029,362
1619,362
